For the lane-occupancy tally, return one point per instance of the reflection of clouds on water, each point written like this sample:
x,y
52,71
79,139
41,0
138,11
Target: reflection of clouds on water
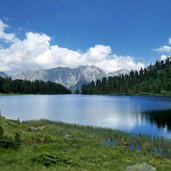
x,y
116,112
108,112
124,117
120,123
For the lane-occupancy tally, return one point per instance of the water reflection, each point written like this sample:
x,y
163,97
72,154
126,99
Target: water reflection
x,y
160,118
127,113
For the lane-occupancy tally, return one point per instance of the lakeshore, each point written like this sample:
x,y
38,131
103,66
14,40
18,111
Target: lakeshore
x,y
47,145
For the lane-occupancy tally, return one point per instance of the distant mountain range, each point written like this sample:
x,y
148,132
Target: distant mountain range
x,y
71,78
3,74
119,72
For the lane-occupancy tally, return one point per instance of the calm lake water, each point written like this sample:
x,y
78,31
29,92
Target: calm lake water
x,y
128,113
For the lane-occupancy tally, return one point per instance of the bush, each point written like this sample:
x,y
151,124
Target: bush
x,y
48,139
1,133
48,159
8,142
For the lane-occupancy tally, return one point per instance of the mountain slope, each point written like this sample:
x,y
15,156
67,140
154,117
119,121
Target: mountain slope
x,y
70,78
118,72
3,74
154,79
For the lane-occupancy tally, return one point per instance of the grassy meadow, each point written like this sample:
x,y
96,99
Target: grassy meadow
x,y
46,145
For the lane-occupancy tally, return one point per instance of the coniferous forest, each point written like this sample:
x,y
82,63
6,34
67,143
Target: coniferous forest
x,y
154,79
7,85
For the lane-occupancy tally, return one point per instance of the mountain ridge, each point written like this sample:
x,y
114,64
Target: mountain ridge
x,y
72,78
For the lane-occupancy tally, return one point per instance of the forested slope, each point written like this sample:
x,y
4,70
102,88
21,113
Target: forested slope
x,y
7,85
154,79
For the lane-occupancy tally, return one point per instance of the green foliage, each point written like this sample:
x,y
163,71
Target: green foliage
x,y
1,133
8,142
146,147
48,159
17,141
48,139
85,151
7,85
154,79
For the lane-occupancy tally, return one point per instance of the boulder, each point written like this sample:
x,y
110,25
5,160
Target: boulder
x,y
140,167
67,137
32,129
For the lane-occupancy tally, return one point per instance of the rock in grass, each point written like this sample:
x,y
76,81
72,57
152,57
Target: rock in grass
x,y
32,129
67,137
140,167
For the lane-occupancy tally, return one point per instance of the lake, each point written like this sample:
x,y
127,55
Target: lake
x,y
127,113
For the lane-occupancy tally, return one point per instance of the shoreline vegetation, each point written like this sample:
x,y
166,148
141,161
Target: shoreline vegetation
x,y
70,93
47,145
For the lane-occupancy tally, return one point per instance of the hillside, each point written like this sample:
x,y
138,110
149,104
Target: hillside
x,y
7,85
154,79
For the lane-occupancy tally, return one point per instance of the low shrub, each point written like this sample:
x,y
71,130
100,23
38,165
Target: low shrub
x,y
48,139
48,159
8,142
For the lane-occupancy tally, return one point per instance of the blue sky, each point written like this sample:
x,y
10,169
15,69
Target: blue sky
x,y
129,27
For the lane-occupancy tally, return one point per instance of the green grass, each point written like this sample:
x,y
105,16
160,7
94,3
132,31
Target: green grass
x,y
63,147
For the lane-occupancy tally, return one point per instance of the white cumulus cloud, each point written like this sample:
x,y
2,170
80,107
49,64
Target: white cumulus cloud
x,y
7,37
164,48
36,52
